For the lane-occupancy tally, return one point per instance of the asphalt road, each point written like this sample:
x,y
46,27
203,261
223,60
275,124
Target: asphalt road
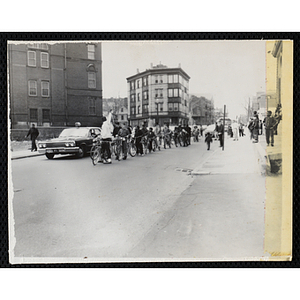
x,y
66,207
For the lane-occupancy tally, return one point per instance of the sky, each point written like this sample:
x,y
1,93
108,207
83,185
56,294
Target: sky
x,y
228,71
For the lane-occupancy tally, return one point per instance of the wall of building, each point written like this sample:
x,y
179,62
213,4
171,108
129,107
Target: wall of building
x,y
69,93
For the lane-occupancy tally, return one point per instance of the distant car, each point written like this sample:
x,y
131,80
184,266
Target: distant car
x,y
75,140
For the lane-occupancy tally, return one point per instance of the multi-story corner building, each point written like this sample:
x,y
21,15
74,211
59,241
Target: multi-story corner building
x,y
55,84
158,95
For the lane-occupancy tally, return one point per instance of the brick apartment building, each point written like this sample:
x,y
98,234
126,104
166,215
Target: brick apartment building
x,y
158,95
55,84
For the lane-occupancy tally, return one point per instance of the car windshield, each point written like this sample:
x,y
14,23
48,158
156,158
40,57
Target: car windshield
x,y
74,132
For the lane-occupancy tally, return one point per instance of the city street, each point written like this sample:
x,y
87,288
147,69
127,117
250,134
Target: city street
x,y
151,207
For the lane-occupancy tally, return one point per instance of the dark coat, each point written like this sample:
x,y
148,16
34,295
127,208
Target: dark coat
x,y
33,132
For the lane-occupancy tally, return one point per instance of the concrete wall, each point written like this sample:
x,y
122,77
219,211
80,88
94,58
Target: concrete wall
x,y
45,133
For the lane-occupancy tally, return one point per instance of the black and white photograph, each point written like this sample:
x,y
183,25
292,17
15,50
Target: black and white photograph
x,y
150,150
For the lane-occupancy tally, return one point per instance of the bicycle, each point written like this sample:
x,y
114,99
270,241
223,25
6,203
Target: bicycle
x,y
96,153
131,146
167,140
144,142
117,147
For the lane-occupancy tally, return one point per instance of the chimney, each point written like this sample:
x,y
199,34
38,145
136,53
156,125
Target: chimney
x,y
179,65
137,70
151,65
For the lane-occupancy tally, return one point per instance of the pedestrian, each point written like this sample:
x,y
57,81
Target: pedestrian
x,y
151,137
270,122
117,128
201,130
277,117
251,127
255,127
235,130
241,130
106,135
34,133
138,139
221,133
124,134
208,140
158,134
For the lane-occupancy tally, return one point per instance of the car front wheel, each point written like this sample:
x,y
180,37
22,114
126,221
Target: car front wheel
x,y
81,152
49,155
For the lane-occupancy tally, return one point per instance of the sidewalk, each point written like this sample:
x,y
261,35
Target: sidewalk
x,y
21,150
24,154
238,157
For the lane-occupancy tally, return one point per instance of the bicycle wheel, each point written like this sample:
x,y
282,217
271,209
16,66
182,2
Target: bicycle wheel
x,y
154,145
95,155
118,150
132,150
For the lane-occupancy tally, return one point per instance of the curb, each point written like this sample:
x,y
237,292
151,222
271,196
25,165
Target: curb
x,y
264,162
25,156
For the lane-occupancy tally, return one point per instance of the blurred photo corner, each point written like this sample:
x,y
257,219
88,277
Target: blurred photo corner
x,y
278,119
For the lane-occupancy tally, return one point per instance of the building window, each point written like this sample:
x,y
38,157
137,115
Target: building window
x,y
170,106
170,93
122,109
161,79
45,88
133,110
175,92
145,108
138,97
156,78
91,51
46,115
139,109
145,81
132,85
92,80
161,107
122,117
32,88
92,106
158,93
31,58
44,60
176,106
132,98
145,95
137,84
176,78
170,78
33,115
39,46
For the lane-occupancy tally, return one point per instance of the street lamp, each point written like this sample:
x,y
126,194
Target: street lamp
x,y
157,102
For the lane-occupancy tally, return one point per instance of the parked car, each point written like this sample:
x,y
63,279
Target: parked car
x,y
75,140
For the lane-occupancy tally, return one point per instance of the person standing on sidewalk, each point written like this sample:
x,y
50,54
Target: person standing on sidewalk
x,y
220,129
255,127
270,122
235,130
34,133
